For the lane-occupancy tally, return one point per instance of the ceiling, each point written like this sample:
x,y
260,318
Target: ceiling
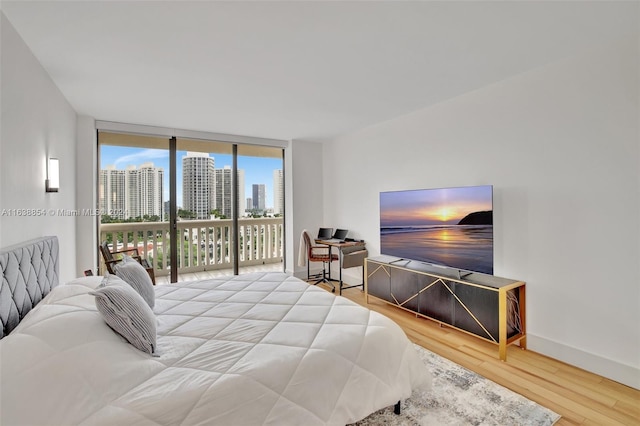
x,y
296,70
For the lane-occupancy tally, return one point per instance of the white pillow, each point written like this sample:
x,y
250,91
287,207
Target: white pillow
x,y
137,277
127,313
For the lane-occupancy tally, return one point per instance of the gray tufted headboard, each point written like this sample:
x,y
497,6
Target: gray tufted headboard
x,y
28,272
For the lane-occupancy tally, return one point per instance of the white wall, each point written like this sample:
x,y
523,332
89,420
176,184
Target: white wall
x,y
560,144
86,195
37,122
304,208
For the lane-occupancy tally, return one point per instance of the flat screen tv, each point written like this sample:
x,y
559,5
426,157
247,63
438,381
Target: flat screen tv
x,y
450,227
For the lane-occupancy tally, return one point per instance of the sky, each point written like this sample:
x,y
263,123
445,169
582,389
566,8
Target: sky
x,y
444,206
257,170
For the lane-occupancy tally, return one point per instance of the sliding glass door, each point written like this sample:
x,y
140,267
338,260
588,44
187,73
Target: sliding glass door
x,y
134,197
261,212
205,206
227,213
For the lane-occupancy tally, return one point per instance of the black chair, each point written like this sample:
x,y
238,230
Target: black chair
x,y
318,253
110,259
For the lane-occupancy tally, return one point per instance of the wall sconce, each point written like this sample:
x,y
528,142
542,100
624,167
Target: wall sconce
x,y
52,183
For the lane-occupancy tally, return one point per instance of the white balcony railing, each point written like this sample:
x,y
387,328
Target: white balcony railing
x,y
205,244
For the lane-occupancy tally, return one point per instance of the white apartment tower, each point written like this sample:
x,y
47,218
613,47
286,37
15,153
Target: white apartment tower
x,y
132,199
278,192
150,184
198,184
223,194
132,192
112,192
241,200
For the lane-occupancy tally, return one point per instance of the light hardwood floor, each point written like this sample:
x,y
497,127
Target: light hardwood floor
x,y
580,397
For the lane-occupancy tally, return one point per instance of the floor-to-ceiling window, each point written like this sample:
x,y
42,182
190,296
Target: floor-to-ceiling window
x,y
261,200
180,203
206,235
133,196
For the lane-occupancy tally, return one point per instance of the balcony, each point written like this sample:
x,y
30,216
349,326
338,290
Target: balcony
x,y
205,244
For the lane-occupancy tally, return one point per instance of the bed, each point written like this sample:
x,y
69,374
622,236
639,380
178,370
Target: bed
x,y
262,348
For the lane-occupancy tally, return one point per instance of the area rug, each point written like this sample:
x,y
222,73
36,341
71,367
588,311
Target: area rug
x,y
461,397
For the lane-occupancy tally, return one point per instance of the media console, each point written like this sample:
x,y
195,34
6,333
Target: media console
x,y
486,306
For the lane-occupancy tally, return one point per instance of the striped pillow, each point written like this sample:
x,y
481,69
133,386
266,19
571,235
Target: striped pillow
x,y
124,310
137,277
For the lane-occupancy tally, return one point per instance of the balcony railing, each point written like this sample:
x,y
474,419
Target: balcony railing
x,y
204,244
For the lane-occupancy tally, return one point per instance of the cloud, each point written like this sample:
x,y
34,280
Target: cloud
x,y
142,156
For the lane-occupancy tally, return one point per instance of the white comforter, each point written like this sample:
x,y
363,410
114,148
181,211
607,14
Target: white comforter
x,y
252,349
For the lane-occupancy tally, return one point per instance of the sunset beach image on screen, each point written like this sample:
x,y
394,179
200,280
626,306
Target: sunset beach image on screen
x,y
445,226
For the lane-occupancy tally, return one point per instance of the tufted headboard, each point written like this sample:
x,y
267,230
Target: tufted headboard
x,y
28,272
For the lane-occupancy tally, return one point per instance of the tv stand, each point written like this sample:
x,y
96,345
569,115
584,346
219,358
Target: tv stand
x,y
489,307
461,275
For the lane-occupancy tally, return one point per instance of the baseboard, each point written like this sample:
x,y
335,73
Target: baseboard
x,y
621,373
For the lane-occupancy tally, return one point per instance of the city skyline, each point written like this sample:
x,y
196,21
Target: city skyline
x,y
133,192
258,170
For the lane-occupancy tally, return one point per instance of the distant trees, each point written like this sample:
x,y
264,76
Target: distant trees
x,y
216,213
105,218
186,214
257,213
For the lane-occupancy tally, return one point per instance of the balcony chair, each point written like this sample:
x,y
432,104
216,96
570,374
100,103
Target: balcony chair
x,y
110,259
318,253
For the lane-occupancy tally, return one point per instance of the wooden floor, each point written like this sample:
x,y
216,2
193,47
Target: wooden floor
x,y
580,397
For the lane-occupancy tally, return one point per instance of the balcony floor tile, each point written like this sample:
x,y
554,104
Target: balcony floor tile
x,y
202,275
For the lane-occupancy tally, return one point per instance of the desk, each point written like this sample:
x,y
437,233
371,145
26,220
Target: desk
x,y
340,245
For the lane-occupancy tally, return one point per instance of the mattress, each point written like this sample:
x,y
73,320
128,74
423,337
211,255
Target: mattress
x,y
252,349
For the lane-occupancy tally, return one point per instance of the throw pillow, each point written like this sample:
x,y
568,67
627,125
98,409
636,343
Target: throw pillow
x,y
137,277
124,310
110,279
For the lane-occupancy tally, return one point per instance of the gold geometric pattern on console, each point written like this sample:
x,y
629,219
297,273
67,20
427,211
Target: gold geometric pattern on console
x,y
378,268
439,280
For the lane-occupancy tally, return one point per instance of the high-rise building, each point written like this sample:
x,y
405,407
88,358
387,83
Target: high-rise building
x,y
198,184
132,199
150,184
259,196
242,207
112,193
133,192
223,191
278,192
223,196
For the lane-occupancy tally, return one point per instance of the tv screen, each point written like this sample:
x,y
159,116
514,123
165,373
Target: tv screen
x,y
447,226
